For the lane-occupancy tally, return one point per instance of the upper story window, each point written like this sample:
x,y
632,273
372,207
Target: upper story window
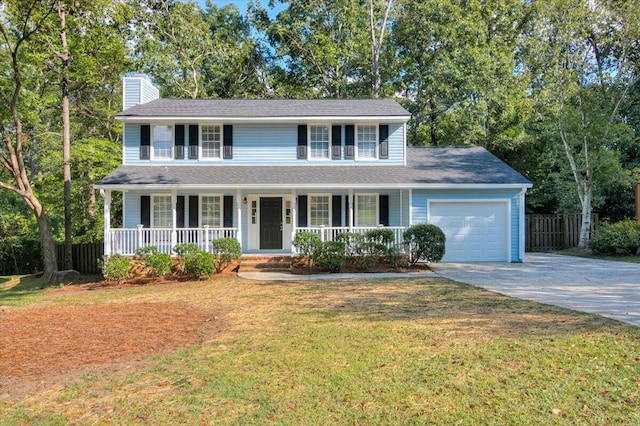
x,y
211,211
162,142
367,210
319,141
210,137
162,211
367,138
319,210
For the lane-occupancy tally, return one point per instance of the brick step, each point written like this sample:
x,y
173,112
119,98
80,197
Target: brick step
x,y
265,263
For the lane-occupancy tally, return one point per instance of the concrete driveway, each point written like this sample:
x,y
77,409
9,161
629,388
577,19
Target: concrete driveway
x,y
611,289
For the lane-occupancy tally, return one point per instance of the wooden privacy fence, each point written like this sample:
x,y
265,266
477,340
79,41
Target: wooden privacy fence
x,y
85,257
547,232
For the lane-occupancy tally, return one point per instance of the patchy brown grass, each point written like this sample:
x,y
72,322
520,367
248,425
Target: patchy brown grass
x,y
189,352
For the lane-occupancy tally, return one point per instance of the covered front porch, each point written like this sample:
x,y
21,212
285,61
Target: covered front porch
x,y
263,221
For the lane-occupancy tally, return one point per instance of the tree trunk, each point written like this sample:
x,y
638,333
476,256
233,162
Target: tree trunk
x,y
66,137
585,229
48,246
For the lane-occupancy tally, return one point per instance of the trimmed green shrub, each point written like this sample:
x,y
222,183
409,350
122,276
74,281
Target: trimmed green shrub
x,y
198,263
182,251
353,243
307,244
425,241
225,250
377,240
158,264
144,252
380,235
397,258
330,256
185,248
621,238
115,267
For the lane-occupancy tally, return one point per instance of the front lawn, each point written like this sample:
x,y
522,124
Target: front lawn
x,y
402,351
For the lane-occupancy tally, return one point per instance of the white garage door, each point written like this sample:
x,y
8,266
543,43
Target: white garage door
x,y
475,231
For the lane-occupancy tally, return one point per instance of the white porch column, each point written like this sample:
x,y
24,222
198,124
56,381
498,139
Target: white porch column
x,y
107,220
350,210
174,219
411,207
239,202
401,209
294,218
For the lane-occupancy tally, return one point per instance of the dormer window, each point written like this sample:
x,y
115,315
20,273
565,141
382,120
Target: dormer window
x,y
162,142
319,141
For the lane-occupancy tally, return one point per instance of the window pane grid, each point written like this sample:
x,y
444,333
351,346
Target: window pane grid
x,y
367,141
162,211
210,141
162,142
210,214
367,210
319,210
319,139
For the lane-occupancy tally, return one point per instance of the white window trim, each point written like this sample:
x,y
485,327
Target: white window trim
x,y
368,194
376,150
200,156
309,209
152,208
153,144
200,209
309,157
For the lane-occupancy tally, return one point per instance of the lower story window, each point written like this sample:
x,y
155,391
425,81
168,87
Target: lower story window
x,y
367,210
210,211
162,211
319,209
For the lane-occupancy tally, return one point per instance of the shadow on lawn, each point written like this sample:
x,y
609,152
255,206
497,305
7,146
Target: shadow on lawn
x,y
13,290
458,308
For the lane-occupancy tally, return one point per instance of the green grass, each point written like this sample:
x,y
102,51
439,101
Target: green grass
x,y
421,351
20,290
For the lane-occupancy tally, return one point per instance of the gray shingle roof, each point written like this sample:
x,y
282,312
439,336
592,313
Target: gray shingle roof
x,y
266,108
425,167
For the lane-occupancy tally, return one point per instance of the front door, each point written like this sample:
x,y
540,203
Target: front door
x,y
271,223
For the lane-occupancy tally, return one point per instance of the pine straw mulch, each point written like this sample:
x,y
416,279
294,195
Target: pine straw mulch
x,y
49,343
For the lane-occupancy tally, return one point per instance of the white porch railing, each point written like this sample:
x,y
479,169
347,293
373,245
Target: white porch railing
x,y
128,241
328,233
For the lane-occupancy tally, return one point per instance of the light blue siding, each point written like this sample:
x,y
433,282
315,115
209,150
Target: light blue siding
x,y
263,144
421,197
131,92
137,90
131,204
396,144
131,147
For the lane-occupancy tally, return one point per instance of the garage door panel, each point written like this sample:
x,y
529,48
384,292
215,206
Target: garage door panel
x,y
475,231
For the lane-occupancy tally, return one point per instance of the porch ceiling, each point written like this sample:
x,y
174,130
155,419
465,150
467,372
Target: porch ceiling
x,y
425,167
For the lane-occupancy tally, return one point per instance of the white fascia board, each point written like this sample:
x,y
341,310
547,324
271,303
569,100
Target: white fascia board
x,y
314,186
292,119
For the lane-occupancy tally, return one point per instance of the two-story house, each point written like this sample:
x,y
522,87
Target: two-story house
x,y
262,170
